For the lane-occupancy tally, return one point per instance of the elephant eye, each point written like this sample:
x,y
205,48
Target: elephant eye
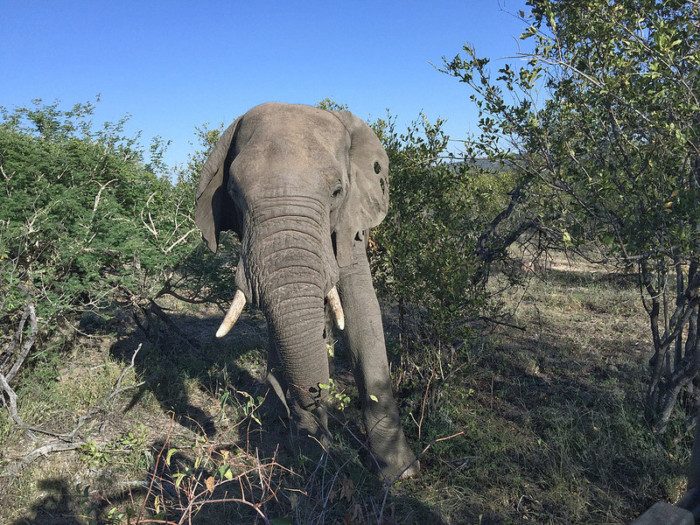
x,y
337,192
377,168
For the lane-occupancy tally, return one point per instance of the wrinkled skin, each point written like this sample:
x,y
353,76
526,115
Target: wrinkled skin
x,y
301,187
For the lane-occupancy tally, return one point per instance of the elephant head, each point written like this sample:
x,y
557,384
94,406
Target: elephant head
x,y
301,187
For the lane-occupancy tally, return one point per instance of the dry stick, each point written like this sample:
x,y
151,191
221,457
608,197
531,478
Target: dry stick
x,y
422,405
54,446
29,312
64,441
117,387
12,398
155,469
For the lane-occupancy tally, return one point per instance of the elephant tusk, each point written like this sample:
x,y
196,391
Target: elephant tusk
x,y
232,315
336,308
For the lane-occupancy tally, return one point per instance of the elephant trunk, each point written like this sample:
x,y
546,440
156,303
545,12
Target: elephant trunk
x,y
285,259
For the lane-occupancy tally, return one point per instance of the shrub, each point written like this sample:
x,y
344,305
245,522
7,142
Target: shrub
x,y
84,220
450,221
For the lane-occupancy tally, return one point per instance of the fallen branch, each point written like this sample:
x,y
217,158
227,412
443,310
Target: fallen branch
x,y
53,446
64,441
12,397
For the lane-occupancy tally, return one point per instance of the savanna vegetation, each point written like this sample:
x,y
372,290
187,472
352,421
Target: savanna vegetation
x,y
540,295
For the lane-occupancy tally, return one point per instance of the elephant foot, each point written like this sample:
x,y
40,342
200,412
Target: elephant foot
x,y
394,462
309,434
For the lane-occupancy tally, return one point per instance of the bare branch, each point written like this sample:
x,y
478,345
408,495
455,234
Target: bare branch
x,y
117,387
29,312
12,397
99,195
180,240
150,227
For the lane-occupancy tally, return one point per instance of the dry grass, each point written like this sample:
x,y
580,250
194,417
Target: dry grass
x,y
546,422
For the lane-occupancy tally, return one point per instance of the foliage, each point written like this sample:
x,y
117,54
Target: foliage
x,y
84,219
449,222
133,442
614,150
331,105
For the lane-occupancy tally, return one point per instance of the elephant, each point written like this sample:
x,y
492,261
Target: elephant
x,y
301,187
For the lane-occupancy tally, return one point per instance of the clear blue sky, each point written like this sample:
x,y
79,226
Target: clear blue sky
x,y
175,65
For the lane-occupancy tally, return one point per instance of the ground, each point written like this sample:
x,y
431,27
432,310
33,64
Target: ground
x,y
536,421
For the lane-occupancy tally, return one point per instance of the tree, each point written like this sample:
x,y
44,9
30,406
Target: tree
x,y
604,118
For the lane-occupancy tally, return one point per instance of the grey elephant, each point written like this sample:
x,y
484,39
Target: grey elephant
x,y
301,187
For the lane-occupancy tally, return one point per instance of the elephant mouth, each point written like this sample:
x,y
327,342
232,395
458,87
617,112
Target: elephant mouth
x,y
239,302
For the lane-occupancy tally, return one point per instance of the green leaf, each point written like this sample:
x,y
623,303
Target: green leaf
x,y
178,477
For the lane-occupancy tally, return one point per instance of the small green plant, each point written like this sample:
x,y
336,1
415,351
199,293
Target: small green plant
x,y
96,455
249,406
336,396
93,454
114,516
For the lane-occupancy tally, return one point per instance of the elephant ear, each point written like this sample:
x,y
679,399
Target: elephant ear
x,y
214,210
367,199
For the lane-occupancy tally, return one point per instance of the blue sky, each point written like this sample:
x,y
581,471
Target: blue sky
x,y
178,64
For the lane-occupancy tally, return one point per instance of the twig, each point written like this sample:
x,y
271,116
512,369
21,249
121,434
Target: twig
x,y
179,241
422,405
503,323
29,312
150,488
117,387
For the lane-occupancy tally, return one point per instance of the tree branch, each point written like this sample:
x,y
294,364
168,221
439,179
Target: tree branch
x,y
29,312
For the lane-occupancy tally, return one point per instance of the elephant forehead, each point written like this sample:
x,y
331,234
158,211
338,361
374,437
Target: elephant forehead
x,y
293,129
284,167
294,148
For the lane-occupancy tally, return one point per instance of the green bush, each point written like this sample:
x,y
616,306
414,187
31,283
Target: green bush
x,y
84,220
433,253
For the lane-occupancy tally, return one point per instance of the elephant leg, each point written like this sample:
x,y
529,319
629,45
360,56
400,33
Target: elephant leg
x,y
364,336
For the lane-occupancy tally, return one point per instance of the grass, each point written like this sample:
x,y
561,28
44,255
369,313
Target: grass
x,y
539,426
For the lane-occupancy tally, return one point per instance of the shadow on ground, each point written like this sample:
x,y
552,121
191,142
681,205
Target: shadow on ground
x,y
326,489
177,348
